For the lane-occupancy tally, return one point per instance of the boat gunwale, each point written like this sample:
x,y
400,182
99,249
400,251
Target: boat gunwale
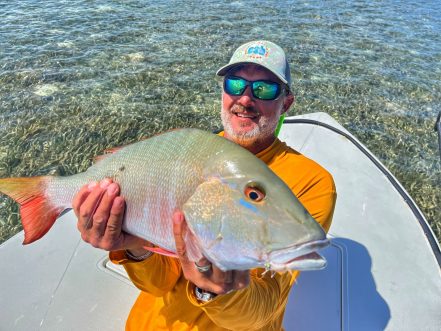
x,y
428,232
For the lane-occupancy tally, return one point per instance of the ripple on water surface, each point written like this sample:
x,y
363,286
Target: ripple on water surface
x,y
78,77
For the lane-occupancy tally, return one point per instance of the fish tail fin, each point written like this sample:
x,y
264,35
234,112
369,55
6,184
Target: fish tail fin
x,y
37,212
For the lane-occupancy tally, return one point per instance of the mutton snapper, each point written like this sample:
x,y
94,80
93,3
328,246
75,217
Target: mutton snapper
x,y
239,213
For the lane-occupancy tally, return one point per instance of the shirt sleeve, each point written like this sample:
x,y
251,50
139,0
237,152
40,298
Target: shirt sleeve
x,y
311,183
319,199
251,308
156,275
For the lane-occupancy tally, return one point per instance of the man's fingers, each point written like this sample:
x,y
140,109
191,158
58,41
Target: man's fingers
x,y
179,229
222,277
215,288
203,262
113,229
216,280
241,279
228,281
88,207
102,213
80,197
178,232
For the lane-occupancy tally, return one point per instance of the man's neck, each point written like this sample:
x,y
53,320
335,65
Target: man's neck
x,y
254,147
260,146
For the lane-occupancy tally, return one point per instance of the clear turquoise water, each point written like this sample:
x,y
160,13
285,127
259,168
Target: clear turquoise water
x,y
77,77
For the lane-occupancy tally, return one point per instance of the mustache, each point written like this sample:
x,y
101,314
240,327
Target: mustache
x,y
241,109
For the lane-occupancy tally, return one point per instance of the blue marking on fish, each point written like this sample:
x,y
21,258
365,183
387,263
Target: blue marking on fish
x,y
248,205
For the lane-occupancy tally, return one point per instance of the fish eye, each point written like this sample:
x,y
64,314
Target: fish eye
x,y
254,193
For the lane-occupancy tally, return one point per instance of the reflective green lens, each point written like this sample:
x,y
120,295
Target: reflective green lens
x,y
235,86
261,89
265,90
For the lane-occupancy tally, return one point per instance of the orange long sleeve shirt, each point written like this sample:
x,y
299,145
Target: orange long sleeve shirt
x,y
167,300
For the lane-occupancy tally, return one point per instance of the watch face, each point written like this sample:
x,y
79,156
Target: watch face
x,y
203,295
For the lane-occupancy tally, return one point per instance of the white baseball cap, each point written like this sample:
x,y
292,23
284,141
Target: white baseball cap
x,y
264,53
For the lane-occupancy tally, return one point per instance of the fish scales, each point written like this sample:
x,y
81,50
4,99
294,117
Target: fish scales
x,y
208,178
158,175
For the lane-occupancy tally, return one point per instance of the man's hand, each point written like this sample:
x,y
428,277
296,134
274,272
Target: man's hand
x,y
100,212
215,280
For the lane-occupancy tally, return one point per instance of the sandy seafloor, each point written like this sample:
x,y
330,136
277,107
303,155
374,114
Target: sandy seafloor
x,y
77,77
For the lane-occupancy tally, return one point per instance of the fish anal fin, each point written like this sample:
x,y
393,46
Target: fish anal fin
x,y
161,251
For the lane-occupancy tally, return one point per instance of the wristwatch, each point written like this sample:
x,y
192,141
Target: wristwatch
x,y
203,295
138,258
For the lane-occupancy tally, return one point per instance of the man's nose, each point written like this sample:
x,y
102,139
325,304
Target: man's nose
x,y
247,98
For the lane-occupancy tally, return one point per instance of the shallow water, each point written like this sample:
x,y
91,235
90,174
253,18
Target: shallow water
x,y
77,77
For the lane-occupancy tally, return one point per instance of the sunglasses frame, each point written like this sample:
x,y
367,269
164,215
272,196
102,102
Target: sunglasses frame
x,y
249,83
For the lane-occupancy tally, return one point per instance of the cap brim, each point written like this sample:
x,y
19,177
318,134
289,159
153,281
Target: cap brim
x,y
223,71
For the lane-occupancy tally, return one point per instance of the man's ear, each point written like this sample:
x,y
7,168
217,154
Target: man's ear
x,y
289,100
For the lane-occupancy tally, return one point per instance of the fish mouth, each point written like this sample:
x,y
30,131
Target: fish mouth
x,y
299,257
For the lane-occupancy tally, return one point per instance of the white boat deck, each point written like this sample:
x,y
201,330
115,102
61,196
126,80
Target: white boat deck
x,y
383,265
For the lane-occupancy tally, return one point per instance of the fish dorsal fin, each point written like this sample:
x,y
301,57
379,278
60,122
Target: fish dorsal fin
x,y
113,150
107,152
99,158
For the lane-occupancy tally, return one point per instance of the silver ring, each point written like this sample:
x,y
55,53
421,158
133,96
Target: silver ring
x,y
204,268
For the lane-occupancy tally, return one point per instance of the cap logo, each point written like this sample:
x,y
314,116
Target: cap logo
x,y
257,52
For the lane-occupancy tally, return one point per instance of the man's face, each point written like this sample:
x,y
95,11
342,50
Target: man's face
x,y
249,121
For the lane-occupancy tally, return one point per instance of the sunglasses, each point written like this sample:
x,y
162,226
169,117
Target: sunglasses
x,y
261,89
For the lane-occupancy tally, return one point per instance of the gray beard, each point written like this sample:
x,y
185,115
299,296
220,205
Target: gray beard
x,y
263,130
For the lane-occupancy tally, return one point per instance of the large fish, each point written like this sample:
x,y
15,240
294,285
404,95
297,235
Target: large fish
x,y
240,214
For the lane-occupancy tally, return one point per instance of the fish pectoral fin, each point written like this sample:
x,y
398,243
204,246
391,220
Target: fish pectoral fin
x,y
161,251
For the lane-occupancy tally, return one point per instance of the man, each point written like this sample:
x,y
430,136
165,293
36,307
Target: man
x,y
177,294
